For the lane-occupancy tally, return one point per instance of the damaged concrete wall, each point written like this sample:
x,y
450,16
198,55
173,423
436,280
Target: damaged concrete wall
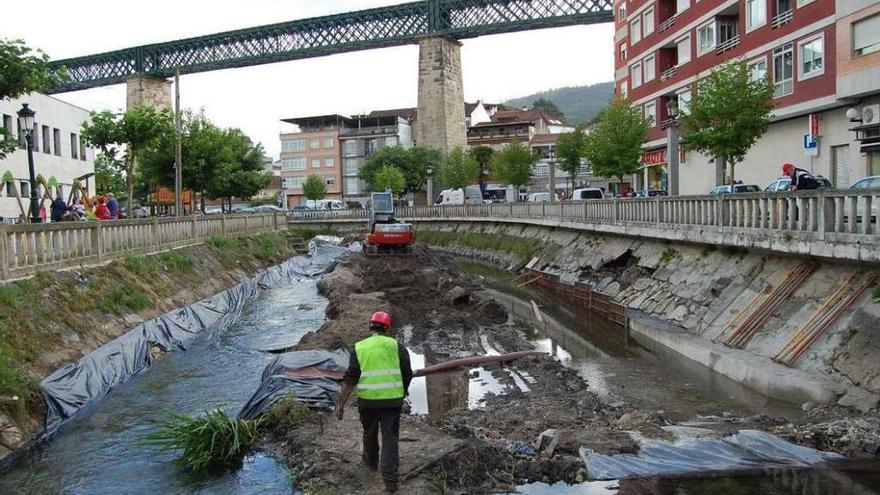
x,y
702,289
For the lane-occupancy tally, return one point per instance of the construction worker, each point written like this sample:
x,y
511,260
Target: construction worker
x,y
379,369
801,180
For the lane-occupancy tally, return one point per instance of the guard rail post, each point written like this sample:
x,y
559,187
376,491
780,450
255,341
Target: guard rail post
x,y
98,240
193,228
154,231
4,257
223,223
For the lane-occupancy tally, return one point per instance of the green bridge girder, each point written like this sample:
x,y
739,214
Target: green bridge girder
x,y
361,30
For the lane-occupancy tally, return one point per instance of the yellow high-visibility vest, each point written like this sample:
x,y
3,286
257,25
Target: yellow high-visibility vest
x,y
380,369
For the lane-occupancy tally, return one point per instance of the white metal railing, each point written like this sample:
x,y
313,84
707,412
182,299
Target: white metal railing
x,y
668,73
847,215
782,18
668,23
25,249
727,45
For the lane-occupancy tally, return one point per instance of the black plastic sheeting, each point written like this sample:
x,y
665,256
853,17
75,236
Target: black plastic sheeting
x,y
313,375
71,387
747,449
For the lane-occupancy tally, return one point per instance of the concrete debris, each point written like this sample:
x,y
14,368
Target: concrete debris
x,y
546,443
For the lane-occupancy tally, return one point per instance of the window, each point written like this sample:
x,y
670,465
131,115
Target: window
x,y
681,6
650,68
866,35
651,113
82,149
621,13
293,164
10,189
74,146
331,181
623,89
812,58
24,189
315,144
329,162
391,141
47,139
7,124
756,14
35,138
635,31
726,30
316,163
622,51
293,182
350,165
350,147
635,76
783,77
57,134
329,143
684,101
648,24
758,70
801,3
351,185
683,47
293,145
706,38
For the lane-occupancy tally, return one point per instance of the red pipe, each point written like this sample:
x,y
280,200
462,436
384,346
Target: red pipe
x,y
470,362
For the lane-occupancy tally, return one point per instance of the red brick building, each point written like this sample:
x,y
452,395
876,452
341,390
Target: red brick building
x,y
662,47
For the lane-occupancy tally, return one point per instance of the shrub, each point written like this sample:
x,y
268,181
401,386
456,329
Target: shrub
x,y
287,414
210,441
669,256
116,300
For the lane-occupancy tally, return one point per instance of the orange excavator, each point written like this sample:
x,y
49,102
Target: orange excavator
x,y
386,235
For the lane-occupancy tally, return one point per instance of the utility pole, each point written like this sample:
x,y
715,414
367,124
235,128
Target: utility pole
x,y
178,152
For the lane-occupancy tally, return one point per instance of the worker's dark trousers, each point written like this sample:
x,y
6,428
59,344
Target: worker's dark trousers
x,y
388,419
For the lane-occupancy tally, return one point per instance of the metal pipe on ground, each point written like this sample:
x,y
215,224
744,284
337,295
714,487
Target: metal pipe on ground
x,y
470,362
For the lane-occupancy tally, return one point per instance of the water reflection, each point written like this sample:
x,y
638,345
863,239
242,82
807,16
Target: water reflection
x,y
436,394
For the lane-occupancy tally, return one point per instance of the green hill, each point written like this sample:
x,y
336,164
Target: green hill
x,y
580,103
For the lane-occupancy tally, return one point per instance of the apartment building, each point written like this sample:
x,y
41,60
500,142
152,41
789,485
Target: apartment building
x,y
364,135
58,149
313,150
506,125
662,47
544,145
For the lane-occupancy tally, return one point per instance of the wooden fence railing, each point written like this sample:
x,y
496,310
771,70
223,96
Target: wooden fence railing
x,y
25,249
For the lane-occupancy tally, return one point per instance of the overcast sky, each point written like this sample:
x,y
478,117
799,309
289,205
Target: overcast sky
x,y
256,98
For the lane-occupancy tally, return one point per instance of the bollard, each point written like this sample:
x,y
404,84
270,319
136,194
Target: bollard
x,y
4,257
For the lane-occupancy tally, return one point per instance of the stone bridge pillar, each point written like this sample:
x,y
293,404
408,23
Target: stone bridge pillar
x,y
440,123
147,90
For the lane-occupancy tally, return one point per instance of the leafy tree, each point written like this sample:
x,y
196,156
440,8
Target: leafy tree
x,y
390,177
239,171
412,162
728,114
483,155
22,70
459,169
124,137
570,152
107,177
315,187
514,164
614,145
549,107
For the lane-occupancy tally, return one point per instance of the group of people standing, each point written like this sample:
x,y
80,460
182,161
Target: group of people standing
x,y
100,208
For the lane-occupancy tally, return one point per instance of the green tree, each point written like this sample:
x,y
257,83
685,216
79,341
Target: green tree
x,y
730,111
107,177
570,153
614,145
483,155
390,177
514,164
22,70
315,187
548,106
239,172
412,162
124,137
459,169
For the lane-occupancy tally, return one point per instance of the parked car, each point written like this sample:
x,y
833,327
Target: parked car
x,y
784,184
470,195
870,182
539,197
584,193
650,193
738,188
269,209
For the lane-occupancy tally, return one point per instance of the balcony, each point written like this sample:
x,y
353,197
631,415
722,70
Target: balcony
x,y
781,18
728,44
668,73
668,23
369,131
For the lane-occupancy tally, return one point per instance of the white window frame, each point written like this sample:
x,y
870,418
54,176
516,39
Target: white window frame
x,y
686,5
314,144
648,23
852,31
763,21
773,69
684,39
756,61
635,33
329,162
621,51
314,161
802,3
623,91
800,57
700,50
295,163
634,69
649,75
621,13
651,116
293,145
684,109
329,141
330,180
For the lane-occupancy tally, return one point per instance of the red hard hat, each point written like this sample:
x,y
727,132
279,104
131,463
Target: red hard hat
x,y
787,168
382,318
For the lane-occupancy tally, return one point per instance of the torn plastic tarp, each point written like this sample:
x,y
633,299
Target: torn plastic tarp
x,y
71,387
315,376
748,449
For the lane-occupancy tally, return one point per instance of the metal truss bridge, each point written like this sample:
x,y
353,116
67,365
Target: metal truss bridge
x,y
362,30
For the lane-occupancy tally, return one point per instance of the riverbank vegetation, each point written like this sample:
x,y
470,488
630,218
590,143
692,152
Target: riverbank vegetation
x,y
520,247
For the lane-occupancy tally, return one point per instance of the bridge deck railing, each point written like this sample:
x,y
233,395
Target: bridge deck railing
x,y
25,249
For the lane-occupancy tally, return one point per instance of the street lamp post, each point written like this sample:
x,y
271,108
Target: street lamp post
x,y
429,189
26,124
551,188
672,153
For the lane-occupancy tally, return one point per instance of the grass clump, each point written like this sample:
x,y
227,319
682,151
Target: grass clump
x,y
144,266
875,293
115,301
522,248
315,486
287,414
213,440
669,256
268,247
16,388
221,241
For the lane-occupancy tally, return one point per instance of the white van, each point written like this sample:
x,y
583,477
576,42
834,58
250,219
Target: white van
x,y
324,204
470,195
539,197
587,193
496,193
